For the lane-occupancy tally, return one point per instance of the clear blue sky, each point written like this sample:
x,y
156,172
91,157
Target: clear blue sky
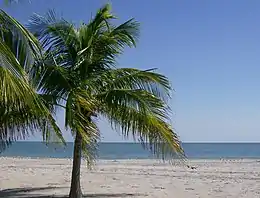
x,y
210,50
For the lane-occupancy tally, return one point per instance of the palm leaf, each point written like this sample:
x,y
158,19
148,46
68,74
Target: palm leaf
x,y
132,107
138,99
22,111
129,78
55,34
154,133
21,42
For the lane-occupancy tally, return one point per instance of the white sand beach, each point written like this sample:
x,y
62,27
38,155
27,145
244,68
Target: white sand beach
x,y
131,178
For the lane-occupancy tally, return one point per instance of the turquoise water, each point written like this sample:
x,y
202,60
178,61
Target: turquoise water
x,y
135,151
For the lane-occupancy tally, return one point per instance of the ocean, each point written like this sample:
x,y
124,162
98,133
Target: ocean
x,y
135,151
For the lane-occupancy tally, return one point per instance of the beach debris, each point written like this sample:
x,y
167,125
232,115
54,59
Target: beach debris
x,y
191,167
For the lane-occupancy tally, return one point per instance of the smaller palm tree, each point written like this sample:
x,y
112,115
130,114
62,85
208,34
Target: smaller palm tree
x,y
78,71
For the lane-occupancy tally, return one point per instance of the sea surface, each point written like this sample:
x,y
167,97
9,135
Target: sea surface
x,y
135,151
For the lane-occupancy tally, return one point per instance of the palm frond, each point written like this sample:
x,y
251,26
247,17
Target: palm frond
x,y
143,114
57,36
138,99
101,19
19,40
48,81
101,42
9,61
111,43
8,2
126,34
154,133
50,101
23,112
130,78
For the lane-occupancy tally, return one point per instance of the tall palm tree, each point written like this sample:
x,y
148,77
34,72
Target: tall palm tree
x,y
78,70
22,110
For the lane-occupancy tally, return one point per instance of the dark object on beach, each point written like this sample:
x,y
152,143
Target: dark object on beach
x,y
191,167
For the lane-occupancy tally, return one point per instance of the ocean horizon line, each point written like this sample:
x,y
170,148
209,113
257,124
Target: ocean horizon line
x,y
185,142
132,150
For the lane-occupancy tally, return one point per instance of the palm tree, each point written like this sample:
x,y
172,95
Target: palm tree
x,y
22,110
78,70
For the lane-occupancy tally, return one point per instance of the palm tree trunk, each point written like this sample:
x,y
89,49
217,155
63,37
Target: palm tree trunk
x,y
75,188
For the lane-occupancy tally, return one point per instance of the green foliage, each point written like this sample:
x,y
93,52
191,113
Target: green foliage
x,y
78,69
55,64
22,110
8,2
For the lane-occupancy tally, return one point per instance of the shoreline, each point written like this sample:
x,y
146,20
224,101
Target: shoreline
x,y
140,159
35,177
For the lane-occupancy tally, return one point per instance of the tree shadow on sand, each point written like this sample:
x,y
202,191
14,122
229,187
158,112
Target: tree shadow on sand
x,y
31,193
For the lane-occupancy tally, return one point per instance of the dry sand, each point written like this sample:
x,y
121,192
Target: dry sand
x,y
131,178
